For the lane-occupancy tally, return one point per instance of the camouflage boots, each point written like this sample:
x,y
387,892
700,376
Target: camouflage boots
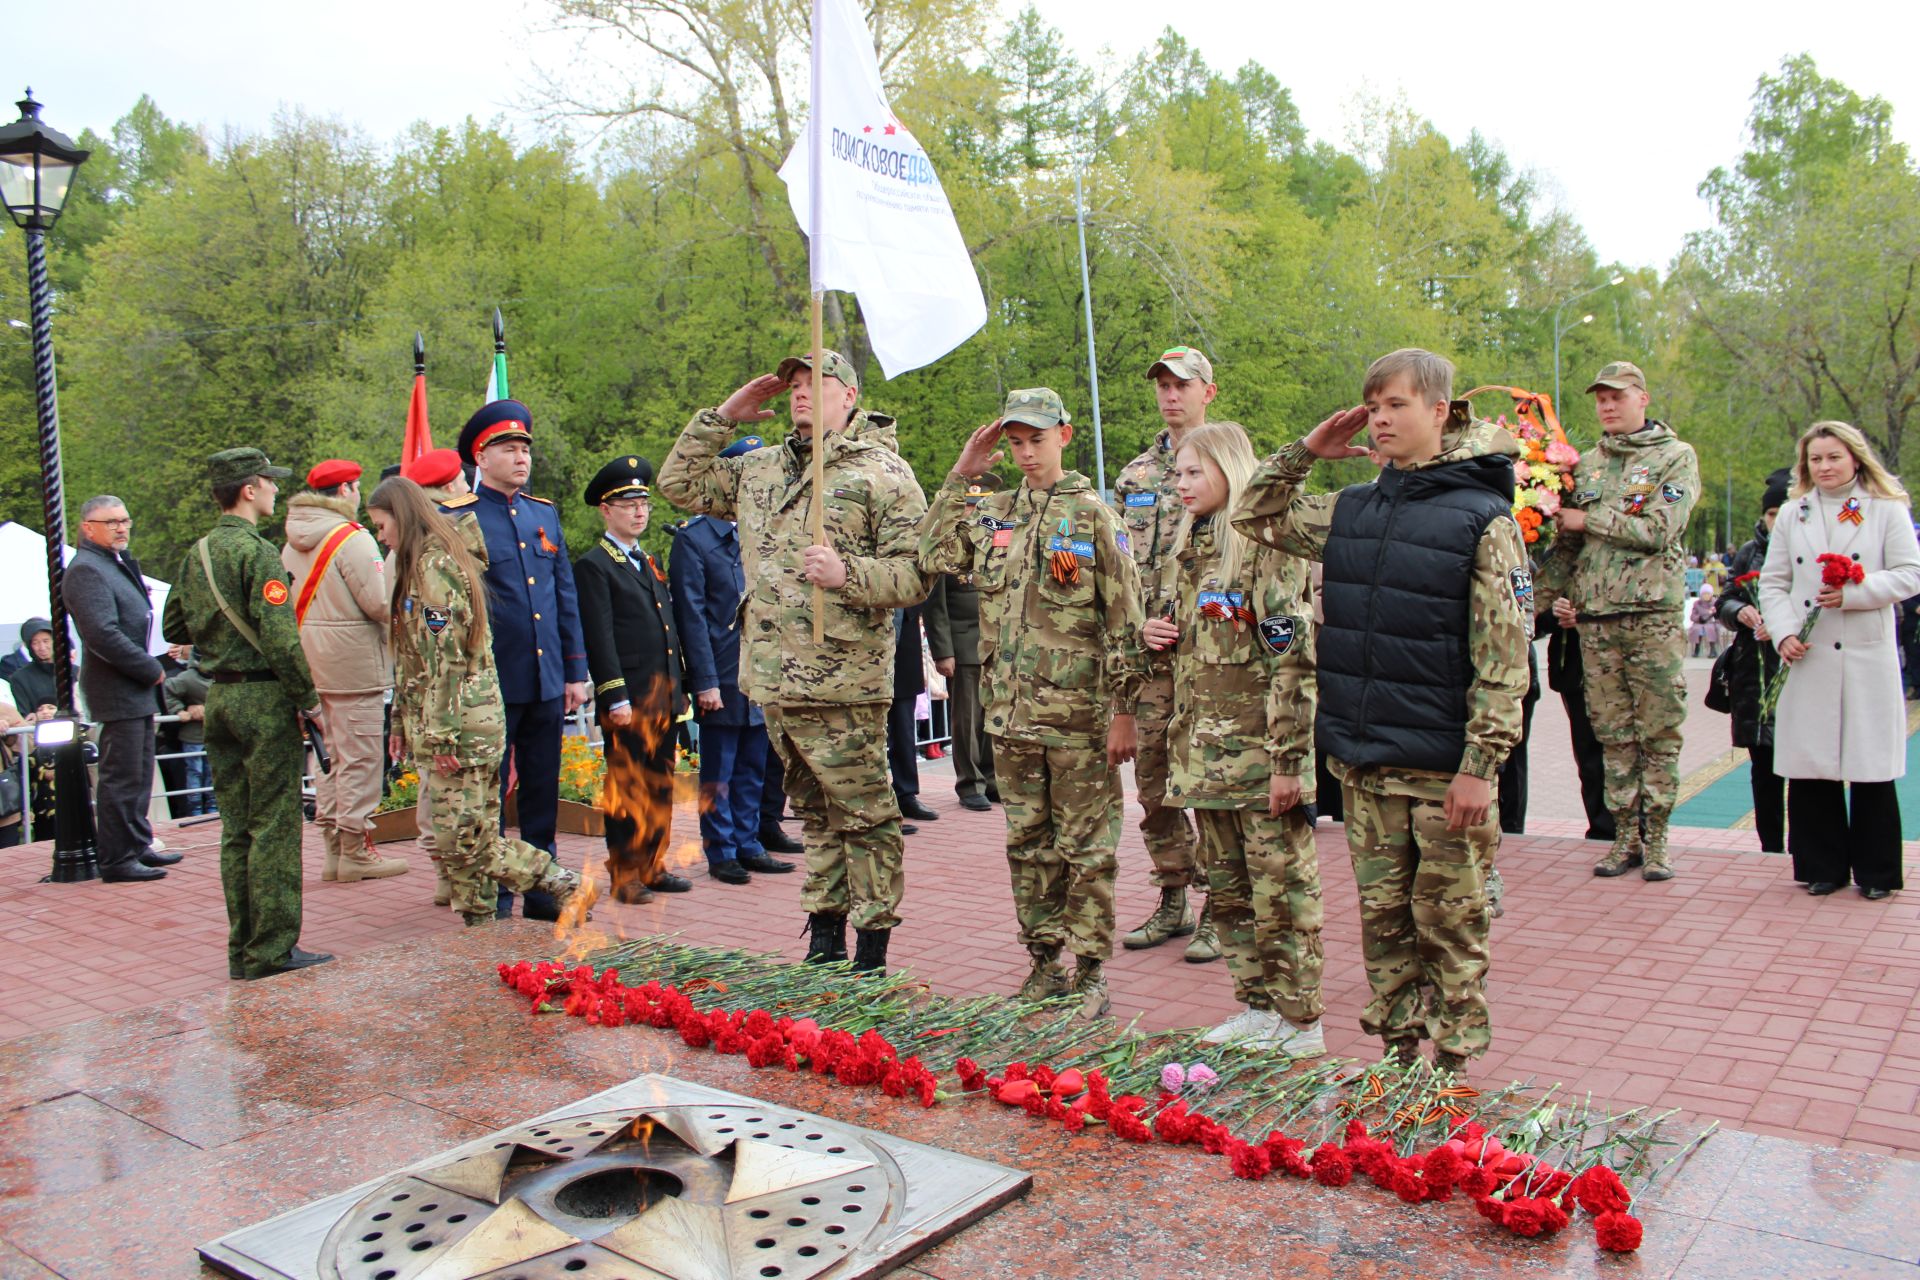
x,y
1641,842
1171,919
1205,944
565,886
1090,984
1625,854
1658,865
1047,979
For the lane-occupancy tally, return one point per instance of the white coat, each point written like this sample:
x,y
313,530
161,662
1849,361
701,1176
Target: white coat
x,y
1842,715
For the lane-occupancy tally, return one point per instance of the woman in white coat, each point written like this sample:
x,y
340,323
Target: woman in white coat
x,y
1842,717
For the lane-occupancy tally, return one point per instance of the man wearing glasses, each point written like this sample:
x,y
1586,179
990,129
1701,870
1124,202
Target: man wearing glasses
x,y
107,597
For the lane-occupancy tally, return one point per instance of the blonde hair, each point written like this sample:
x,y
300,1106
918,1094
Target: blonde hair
x,y
1430,375
1871,474
1226,446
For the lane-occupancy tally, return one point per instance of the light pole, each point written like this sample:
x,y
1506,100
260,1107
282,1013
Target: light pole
x,y
1558,331
37,165
1086,299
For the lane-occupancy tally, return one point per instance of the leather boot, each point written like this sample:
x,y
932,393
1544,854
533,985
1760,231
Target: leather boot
x,y
565,886
827,941
1047,979
330,838
1658,865
442,887
1625,853
1171,919
870,950
1205,944
358,861
1090,984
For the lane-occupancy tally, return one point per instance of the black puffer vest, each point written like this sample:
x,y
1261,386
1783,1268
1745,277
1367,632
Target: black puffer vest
x,y
1393,657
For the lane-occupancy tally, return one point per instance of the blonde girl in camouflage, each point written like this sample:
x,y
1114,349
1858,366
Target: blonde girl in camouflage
x,y
447,708
1240,744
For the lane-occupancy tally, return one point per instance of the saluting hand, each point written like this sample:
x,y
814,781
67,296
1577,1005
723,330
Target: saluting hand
x,y
1333,438
978,455
749,403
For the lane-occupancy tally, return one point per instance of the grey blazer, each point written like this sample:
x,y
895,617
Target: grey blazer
x,y
107,598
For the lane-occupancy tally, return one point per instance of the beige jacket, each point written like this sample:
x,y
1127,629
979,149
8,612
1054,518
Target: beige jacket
x,y
345,629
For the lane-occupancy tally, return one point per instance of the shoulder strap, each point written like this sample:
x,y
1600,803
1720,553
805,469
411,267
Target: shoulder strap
x,y
247,633
321,560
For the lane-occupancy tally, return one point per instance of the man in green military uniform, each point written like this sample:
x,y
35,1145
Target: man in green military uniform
x,y
1616,571
825,703
231,602
1183,385
1062,659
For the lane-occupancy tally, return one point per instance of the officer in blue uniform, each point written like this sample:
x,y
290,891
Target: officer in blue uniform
x,y
537,641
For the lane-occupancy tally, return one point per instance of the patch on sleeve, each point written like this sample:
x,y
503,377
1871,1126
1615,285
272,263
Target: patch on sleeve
x,y
1125,544
1279,632
1584,496
274,592
1522,580
436,619
1142,499
1672,493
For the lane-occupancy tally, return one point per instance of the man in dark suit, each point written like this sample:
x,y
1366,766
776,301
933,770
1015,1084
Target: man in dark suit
x,y
108,600
1566,677
903,752
708,584
953,638
534,613
634,659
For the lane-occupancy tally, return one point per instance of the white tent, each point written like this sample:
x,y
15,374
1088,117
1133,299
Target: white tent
x,y
23,587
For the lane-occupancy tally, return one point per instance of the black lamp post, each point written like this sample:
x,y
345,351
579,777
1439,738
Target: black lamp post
x,y
37,165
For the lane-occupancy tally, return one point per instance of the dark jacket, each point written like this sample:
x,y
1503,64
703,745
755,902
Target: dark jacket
x,y
909,671
952,616
708,586
626,615
33,686
1395,667
531,605
1750,663
108,600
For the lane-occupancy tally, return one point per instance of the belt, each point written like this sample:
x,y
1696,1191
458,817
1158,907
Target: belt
x,y
241,677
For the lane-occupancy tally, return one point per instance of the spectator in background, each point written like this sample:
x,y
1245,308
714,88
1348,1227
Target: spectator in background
x,y
909,682
35,695
952,616
17,657
1703,618
1751,663
12,826
1910,645
186,694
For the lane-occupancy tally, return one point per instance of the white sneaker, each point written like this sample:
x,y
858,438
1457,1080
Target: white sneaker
x,y
1247,1026
1294,1042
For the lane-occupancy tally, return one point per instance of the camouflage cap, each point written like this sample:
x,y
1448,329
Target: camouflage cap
x,y
1620,375
837,366
1183,362
1034,407
982,485
232,466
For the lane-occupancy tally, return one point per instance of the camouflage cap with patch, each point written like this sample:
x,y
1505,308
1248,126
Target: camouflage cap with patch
x,y
837,366
1034,407
1183,362
1620,375
232,466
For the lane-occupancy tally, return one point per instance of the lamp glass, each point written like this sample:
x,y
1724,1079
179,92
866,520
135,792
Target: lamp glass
x,y
18,172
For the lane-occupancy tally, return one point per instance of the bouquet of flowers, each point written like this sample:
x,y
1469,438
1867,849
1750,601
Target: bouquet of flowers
x,y
1836,570
1543,474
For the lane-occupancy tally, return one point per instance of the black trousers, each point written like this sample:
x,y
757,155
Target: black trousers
x,y
1837,838
773,792
122,790
1512,794
903,761
1769,800
1590,760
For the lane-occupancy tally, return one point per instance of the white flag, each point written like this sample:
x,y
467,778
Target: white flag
x,y
885,230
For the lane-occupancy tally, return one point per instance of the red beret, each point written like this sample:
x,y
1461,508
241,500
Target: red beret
x,y
333,471
433,468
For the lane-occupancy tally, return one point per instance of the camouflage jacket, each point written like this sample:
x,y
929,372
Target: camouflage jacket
x,y
1150,510
873,509
1243,684
1057,660
1277,512
1637,490
254,584
446,690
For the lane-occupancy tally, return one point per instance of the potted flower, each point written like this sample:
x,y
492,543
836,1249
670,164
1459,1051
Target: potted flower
x,y
397,817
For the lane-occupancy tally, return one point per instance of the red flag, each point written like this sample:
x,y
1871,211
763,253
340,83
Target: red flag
x,y
419,436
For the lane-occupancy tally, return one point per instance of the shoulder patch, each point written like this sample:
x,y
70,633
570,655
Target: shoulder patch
x,y
1279,632
1672,492
1521,578
459,500
436,619
274,592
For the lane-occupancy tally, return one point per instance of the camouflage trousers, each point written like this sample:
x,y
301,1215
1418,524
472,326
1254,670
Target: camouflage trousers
x,y
1263,881
256,750
1637,698
1064,808
1423,918
1170,841
837,782
465,814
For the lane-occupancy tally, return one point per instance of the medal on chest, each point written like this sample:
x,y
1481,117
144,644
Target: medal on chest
x,y
1064,554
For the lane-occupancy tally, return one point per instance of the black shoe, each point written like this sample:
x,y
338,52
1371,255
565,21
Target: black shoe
x,y
979,804
762,863
630,892
235,972
297,959
729,871
159,858
1821,888
667,882
907,829
774,840
135,870
870,951
1874,895
827,937
910,807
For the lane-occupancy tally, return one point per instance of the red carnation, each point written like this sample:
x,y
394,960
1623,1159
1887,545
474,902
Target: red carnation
x,y
1618,1232
1128,1126
1407,1184
1076,1120
1331,1168
1444,1167
1478,1183
1599,1190
1250,1161
1523,1217
1016,1071
1489,1208
1043,1076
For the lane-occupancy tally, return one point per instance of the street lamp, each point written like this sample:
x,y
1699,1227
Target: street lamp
x,y
1086,299
1558,331
37,165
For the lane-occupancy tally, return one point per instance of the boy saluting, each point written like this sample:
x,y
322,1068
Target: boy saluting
x,y
1061,664
1422,666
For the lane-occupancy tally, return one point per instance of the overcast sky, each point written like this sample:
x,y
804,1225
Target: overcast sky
x,y
1621,109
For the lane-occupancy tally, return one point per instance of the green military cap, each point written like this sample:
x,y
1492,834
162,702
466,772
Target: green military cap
x,y
232,466
837,366
1620,375
980,486
1183,362
1034,407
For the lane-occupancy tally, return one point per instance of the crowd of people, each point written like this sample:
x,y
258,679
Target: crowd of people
x,y
1261,654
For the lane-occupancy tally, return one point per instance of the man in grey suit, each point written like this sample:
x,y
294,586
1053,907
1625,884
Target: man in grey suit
x,y
108,600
